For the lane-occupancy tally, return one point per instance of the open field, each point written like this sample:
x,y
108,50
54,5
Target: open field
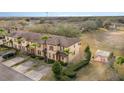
x,y
110,41
97,71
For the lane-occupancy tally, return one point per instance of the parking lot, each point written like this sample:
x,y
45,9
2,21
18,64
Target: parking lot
x,y
8,74
30,69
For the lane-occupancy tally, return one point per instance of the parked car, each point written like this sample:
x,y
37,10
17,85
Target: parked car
x,y
9,54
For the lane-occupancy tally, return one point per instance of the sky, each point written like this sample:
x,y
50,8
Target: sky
x,y
58,14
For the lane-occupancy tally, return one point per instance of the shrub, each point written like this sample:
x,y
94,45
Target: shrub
x,y
50,61
65,78
87,53
63,63
57,69
33,56
80,65
70,73
120,60
57,77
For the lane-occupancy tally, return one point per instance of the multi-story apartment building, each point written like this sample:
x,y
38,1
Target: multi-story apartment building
x,y
54,45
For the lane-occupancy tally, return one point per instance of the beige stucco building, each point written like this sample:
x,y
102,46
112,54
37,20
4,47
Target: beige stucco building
x,y
55,45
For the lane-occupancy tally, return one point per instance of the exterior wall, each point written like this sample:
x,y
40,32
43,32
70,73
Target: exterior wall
x,y
51,53
101,59
75,51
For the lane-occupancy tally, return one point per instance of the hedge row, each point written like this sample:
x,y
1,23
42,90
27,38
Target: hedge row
x,y
70,71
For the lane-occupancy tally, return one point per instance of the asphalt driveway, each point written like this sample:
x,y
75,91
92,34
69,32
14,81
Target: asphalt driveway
x,y
8,74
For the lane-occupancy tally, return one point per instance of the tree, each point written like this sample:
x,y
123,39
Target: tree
x,y
2,35
99,22
106,24
57,70
11,42
2,32
120,60
42,28
67,30
19,40
90,25
67,52
33,46
87,53
45,38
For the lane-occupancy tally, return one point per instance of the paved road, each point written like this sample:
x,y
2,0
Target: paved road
x,y
8,74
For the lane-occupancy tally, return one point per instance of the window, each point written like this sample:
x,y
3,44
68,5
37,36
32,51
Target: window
x,y
49,55
51,48
53,56
39,52
62,58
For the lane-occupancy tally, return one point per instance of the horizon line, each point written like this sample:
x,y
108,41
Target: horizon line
x,y
59,14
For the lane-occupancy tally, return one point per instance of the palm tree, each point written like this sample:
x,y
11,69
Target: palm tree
x,y
2,35
19,40
45,38
11,42
32,46
67,52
